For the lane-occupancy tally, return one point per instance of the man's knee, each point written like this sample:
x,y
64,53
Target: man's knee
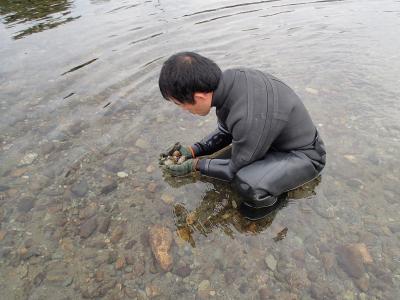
x,y
253,197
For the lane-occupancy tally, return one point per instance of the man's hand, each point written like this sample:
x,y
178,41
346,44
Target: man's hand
x,y
184,151
183,169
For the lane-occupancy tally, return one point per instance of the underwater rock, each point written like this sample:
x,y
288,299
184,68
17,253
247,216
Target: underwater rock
x,y
311,91
160,239
117,234
271,262
28,159
109,186
141,143
104,224
351,260
26,204
88,227
80,188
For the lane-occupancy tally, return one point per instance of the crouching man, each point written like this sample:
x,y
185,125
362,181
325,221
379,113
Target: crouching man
x,y
275,147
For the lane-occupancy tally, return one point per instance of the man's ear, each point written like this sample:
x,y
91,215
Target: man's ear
x,y
200,96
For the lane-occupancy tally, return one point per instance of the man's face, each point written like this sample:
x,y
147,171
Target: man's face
x,y
201,106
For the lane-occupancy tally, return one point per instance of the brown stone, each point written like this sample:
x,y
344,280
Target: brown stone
x,y
160,239
3,234
362,283
18,172
328,260
264,293
99,276
88,227
350,260
117,234
120,263
104,224
151,187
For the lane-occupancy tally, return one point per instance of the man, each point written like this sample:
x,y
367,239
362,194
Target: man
x,y
275,146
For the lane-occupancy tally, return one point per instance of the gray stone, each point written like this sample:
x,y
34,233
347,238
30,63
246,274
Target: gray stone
x,y
271,262
183,271
25,204
80,188
104,224
88,227
109,187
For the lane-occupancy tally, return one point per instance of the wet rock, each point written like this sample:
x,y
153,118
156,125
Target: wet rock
x,y
152,290
129,245
25,204
3,234
88,227
139,266
114,164
38,279
160,239
362,283
328,259
167,198
104,224
229,277
39,182
152,187
203,290
57,273
244,288
141,143
311,91
80,188
28,159
77,127
350,260
120,263
112,257
122,174
99,276
108,187
286,296
321,292
46,148
298,280
88,211
183,271
265,293
18,172
271,262
3,188
117,234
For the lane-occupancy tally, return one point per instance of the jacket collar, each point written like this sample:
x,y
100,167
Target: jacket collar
x,y
223,89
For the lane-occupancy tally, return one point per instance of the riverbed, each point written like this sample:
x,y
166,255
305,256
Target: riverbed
x,y
82,124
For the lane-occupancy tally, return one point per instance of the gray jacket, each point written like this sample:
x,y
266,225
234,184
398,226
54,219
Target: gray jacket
x,y
257,113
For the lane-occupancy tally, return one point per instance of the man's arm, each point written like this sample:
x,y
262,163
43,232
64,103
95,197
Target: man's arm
x,y
218,139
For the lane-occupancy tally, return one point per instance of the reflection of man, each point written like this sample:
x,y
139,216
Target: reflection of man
x,y
275,145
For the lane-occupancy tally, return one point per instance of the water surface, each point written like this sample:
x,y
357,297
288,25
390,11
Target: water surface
x,y
79,102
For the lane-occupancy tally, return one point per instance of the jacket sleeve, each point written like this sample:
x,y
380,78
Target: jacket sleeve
x,y
251,140
252,136
213,142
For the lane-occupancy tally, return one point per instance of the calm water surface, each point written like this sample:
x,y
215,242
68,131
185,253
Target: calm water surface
x,y
79,104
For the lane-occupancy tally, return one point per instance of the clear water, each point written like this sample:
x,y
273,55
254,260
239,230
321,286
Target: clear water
x,y
79,102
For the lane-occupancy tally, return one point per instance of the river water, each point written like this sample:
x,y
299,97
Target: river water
x,y
82,123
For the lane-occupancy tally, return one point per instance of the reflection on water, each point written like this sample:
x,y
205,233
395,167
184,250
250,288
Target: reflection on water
x,y
80,186
37,15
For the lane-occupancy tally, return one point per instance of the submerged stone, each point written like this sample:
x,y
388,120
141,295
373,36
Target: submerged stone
x,y
80,188
160,239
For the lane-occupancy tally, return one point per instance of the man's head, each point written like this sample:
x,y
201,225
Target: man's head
x,y
189,79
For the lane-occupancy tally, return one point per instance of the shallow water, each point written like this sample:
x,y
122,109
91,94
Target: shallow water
x,y
79,102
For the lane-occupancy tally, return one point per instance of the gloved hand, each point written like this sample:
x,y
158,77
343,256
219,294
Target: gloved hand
x,y
184,150
184,168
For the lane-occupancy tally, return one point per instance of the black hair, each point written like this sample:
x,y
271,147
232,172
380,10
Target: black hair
x,y
185,73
